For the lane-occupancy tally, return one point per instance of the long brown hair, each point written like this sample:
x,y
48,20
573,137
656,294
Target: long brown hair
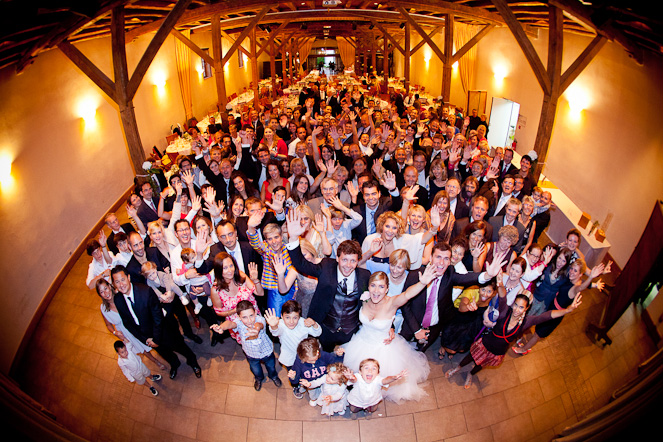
x,y
219,282
105,302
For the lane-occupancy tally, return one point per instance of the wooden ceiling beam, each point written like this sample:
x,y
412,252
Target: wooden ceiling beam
x,y
272,36
194,47
256,19
473,41
389,36
422,33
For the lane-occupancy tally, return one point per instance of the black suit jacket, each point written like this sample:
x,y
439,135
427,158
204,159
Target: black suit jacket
x,y
461,211
386,204
147,310
414,310
248,255
242,225
460,225
326,272
127,227
145,212
542,221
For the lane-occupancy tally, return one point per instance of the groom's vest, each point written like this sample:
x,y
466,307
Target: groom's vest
x,y
344,314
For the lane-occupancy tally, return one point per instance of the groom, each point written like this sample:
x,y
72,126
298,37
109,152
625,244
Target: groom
x,y
335,304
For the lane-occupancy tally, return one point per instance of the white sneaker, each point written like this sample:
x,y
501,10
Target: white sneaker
x,y
312,403
184,299
209,301
198,308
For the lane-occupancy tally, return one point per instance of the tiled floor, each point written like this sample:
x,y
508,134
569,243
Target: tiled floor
x,y
71,369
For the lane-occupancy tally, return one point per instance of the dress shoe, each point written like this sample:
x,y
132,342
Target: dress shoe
x,y
195,338
173,373
197,371
257,384
217,338
277,382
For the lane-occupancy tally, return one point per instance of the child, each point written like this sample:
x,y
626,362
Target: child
x,y
161,280
189,262
333,391
367,391
290,330
338,228
257,346
310,364
270,247
123,256
132,366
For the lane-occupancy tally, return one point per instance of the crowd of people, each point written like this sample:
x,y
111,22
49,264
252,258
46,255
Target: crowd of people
x,y
350,234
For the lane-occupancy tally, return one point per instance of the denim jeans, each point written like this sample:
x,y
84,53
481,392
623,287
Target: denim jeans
x,y
256,368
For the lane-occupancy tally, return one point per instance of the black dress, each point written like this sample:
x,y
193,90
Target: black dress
x,y
458,335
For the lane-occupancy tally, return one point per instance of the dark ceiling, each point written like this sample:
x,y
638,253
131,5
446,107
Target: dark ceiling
x,y
31,27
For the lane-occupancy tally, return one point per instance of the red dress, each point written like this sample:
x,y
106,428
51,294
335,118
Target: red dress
x,y
268,194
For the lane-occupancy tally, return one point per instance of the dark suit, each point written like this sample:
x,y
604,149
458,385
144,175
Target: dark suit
x,y
242,225
146,213
386,204
127,228
460,225
323,298
542,221
152,324
498,222
414,310
461,210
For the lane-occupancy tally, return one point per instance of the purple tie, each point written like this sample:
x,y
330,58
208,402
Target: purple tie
x,y
432,299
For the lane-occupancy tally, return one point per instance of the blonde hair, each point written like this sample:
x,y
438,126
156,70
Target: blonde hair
x,y
369,360
147,267
382,220
155,225
379,276
270,229
420,208
305,245
307,211
400,256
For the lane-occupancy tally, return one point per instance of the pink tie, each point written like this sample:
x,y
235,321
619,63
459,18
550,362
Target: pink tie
x,y
432,299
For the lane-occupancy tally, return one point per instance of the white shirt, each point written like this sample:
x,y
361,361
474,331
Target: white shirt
x,y
501,203
290,339
237,251
350,279
411,243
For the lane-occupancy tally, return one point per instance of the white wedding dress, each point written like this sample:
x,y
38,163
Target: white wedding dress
x,y
368,342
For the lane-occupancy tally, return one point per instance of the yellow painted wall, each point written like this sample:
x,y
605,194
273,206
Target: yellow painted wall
x,y
66,173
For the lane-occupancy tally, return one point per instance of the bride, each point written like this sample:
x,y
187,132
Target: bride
x,y
376,316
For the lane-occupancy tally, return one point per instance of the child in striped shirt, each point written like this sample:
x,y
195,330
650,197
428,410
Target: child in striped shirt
x,y
269,248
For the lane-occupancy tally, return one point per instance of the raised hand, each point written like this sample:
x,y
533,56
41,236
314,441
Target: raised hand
x,y
253,271
411,192
430,273
319,223
103,240
255,219
600,285
196,203
597,270
271,318
178,189
333,131
310,322
389,180
331,167
472,306
548,255
478,250
277,203
435,216
321,166
131,210
209,194
293,221
337,203
576,302
496,265
466,121
376,245
188,177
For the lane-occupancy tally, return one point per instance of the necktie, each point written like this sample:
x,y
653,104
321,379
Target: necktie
x,y
370,226
432,299
131,307
344,285
232,253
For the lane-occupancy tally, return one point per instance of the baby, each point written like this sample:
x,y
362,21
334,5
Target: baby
x,y
366,393
203,282
333,390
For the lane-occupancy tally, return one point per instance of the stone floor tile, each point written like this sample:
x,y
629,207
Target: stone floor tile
x,y
246,401
397,428
346,430
214,427
491,410
177,419
440,424
548,414
428,402
517,428
266,430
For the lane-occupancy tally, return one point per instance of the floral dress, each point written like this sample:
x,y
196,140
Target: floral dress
x,y
229,302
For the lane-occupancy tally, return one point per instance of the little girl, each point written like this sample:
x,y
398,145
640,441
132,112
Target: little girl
x,y
367,391
333,391
203,282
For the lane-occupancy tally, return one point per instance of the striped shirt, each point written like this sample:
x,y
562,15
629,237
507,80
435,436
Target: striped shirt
x,y
269,277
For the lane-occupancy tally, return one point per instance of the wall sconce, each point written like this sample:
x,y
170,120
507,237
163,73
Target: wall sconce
x,y
159,80
87,110
500,73
6,178
578,99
